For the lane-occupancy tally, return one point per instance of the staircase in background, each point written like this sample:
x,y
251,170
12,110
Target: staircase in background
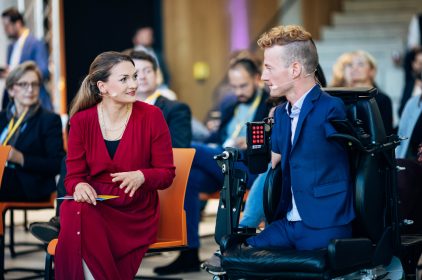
x,y
376,26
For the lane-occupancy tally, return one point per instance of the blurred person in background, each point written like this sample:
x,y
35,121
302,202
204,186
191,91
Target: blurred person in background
x,y
205,176
358,69
35,135
413,83
23,47
143,40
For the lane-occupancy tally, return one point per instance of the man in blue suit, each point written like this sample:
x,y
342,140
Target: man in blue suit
x,y
316,201
24,47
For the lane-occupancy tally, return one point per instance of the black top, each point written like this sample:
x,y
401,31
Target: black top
x,y
386,109
112,147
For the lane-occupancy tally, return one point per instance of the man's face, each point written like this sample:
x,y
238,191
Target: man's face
x,y
11,29
417,65
147,77
242,83
144,37
276,73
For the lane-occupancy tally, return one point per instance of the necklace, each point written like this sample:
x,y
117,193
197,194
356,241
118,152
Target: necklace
x,y
120,128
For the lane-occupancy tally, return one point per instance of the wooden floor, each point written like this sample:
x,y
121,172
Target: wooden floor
x,y
36,260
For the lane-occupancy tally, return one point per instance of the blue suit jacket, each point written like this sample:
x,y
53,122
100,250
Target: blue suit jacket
x,y
317,169
35,50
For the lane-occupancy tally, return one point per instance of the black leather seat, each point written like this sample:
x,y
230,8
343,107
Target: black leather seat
x,y
376,237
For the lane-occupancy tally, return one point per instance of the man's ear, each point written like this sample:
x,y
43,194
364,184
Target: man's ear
x,y
295,70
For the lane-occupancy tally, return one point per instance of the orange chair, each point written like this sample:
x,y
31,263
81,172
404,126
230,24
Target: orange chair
x,y
172,234
4,206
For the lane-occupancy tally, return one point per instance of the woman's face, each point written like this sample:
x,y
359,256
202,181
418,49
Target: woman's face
x,y
121,85
26,91
361,71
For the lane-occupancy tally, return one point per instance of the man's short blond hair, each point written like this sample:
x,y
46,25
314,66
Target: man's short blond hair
x,y
299,45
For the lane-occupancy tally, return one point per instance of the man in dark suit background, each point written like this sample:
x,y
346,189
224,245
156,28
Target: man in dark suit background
x,y
176,114
24,47
316,200
247,103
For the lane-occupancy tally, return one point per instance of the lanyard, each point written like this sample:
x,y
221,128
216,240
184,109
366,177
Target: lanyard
x,y
251,110
152,98
14,126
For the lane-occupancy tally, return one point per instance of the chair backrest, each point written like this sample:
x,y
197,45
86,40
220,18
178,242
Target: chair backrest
x,y
172,224
4,154
372,175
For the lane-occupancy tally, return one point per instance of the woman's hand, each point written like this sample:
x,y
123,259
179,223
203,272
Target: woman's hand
x,y
85,193
15,156
132,180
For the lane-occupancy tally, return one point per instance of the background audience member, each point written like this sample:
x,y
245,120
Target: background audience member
x,y
25,47
205,175
143,40
359,70
414,41
340,78
35,136
413,82
117,146
410,126
253,213
176,114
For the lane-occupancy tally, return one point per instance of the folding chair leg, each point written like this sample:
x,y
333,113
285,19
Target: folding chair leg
x,y
25,220
12,234
2,257
48,267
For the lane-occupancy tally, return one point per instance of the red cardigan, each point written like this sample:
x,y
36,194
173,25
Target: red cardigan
x,y
113,236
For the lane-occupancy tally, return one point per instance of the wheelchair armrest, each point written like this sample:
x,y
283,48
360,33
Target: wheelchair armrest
x,y
349,253
348,140
232,240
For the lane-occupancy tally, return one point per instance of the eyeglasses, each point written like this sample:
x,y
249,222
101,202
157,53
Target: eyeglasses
x,y
26,85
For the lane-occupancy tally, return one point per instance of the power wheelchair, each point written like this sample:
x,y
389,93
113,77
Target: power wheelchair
x,y
375,251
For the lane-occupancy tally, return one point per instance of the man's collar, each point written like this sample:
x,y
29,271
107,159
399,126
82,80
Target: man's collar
x,y
298,104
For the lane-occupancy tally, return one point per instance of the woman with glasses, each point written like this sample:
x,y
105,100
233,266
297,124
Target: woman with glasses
x,y
35,136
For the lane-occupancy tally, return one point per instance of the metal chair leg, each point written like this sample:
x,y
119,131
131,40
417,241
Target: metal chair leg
x,y
12,234
2,256
25,220
48,267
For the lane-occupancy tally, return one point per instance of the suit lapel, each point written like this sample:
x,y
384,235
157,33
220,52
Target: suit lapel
x,y
26,48
308,105
286,133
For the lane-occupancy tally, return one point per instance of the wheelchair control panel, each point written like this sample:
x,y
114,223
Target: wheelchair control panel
x,y
258,152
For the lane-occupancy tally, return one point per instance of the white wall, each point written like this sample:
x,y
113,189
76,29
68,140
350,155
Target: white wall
x,y
293,15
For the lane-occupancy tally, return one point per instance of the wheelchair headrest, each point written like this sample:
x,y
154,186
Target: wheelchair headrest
x,y
362,110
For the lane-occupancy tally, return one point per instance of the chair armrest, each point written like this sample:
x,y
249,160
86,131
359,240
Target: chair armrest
x,y
232,240
349,253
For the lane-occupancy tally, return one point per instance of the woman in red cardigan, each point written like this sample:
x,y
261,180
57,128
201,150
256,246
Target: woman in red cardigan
x,y
117,146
